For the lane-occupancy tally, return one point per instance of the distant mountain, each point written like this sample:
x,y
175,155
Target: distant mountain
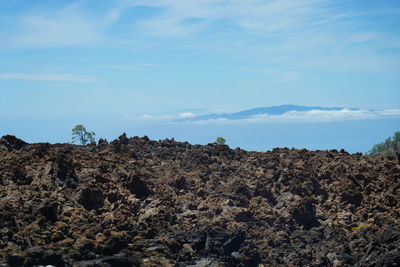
x,y
249,113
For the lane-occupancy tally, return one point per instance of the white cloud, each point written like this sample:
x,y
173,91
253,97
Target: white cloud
x,y
148,117
312,116
47,77
186,115
320,115
390,112
167,117
291,116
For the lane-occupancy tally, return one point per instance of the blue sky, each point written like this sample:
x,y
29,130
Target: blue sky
x,y
125,58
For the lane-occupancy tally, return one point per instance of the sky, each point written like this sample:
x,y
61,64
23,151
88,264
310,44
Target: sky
x,y
121,59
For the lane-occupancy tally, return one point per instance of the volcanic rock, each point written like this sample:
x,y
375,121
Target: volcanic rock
x,y
139,202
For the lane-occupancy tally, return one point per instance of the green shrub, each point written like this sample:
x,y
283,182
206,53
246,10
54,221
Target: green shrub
x,y
387,148
355,228
220,141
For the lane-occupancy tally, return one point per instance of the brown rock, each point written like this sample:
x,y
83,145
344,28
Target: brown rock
x,y
138,202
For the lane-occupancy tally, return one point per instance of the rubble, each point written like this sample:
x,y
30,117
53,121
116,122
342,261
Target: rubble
x,y
138,202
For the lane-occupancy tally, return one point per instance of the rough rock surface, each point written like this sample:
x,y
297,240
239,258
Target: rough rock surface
x,y
137,202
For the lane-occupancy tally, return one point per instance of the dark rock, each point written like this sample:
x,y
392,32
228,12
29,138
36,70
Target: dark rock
x,y
91,198
138,187
49,211
113,197
197,240
66,175
20,177
234,243
180,183
354,198
42,149
40,256
263,192
249,256
102,142
123,139
15,260
117,260
11,142
185,254
120,144
216,238
304,213
244,216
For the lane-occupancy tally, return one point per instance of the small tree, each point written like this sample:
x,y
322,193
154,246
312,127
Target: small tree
x,y
79,134
220,141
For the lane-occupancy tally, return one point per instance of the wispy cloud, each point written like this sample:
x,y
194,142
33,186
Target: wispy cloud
x,y
285,28
115,67
183,17
281,76
322,34
42,28
127,67
47,77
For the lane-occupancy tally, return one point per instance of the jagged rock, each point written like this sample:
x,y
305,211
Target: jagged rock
x,y
102,142
20,176
66,175
47,210
138,202
11,143
244,216
139,187
304,213
114,260
40,256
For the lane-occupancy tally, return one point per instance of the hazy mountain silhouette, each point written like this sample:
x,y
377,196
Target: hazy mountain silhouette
x,y
274,110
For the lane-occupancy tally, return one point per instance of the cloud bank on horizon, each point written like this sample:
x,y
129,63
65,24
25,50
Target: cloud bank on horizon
x,y
308,114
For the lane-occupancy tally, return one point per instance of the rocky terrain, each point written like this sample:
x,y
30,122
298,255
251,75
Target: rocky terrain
x,y
137,202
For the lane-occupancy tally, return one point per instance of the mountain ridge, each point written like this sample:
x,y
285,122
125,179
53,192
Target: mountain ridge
x,y
272,110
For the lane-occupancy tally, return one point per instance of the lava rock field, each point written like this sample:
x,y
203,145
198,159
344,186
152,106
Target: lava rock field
x,y
138,202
